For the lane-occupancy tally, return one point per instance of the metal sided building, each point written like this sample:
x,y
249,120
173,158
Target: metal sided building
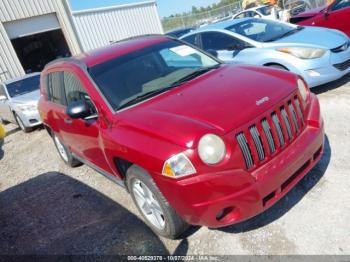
x,y
35,32
115,23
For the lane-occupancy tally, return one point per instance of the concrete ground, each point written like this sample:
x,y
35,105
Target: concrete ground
x,y
48,208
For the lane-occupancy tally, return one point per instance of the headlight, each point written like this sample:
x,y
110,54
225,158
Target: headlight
x,y
303,89
211,149
27,107
178,166
303,52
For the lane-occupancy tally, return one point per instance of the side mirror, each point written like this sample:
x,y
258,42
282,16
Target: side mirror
x,y
3,98
236,47
213,52
79,110
326,13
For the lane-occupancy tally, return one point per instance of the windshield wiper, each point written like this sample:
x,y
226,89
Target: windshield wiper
x,y
194,74
144,96
285,34
177,83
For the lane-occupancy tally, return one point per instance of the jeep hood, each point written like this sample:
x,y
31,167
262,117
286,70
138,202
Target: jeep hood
x,y
218,101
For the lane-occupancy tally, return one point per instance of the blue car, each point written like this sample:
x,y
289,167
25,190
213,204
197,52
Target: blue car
x,y
319,55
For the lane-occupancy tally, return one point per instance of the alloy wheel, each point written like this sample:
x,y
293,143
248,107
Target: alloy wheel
x,y
148,204
61,149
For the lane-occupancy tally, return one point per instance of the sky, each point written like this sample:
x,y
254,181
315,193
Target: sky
x,y
165,7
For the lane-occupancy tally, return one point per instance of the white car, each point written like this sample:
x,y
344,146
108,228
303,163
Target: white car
x,y
19,101
263,11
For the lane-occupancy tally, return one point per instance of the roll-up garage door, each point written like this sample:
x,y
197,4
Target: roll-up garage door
x,y
35,25
37,41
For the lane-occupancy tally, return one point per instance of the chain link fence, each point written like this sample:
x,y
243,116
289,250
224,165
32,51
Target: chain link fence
x,y
224,13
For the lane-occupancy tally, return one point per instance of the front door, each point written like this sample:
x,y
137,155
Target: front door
x,y
81,136
338,17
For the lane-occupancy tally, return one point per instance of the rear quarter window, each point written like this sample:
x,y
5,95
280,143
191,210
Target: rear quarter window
x,y
55,88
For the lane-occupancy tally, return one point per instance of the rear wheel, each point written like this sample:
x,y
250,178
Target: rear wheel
x,y
21,125
64,153
155,209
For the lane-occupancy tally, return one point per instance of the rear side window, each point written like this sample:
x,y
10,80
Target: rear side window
x,y
55,88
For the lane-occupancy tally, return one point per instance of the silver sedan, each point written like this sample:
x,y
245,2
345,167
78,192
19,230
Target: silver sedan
x,y
319,55
19,101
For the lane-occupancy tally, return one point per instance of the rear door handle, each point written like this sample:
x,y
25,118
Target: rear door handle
x,y
68,121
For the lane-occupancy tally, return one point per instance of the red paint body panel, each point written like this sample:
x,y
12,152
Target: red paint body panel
x,y
325,17
223,102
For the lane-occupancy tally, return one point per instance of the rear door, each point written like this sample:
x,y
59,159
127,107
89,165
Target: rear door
x,y
5,110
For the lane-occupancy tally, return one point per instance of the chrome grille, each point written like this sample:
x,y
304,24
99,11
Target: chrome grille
x,y
257,141
277,125
294,117
268,133
272,133
242,141
299,110
286,122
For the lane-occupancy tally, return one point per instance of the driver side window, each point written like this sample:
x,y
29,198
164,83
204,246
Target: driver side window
x,y
341,4
75,91
219,41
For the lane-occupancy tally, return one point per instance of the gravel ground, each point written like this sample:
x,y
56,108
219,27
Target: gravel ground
x,y
48,208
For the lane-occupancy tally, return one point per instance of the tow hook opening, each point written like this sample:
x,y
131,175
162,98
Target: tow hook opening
x,y
227,214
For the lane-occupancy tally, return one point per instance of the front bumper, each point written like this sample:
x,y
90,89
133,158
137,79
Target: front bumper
x,y
321,71
30,118
228,197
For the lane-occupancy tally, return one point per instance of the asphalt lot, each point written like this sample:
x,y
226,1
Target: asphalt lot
x,y
48,208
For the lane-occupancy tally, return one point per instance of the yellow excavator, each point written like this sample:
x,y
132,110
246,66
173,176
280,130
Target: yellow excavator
x,y
2,131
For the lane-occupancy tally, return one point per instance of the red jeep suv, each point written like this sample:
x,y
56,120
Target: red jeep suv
x,y
194,141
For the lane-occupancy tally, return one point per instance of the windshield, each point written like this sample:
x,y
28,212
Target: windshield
x,y
148,72
24,86
262,30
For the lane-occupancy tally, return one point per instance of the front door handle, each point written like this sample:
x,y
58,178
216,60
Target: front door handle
x,y
68,121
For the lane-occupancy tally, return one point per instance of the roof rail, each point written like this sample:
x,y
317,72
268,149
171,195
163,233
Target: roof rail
x,y
136,37
67,59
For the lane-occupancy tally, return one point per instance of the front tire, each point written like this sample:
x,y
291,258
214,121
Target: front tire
x,y
64,153
21,125
154,208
